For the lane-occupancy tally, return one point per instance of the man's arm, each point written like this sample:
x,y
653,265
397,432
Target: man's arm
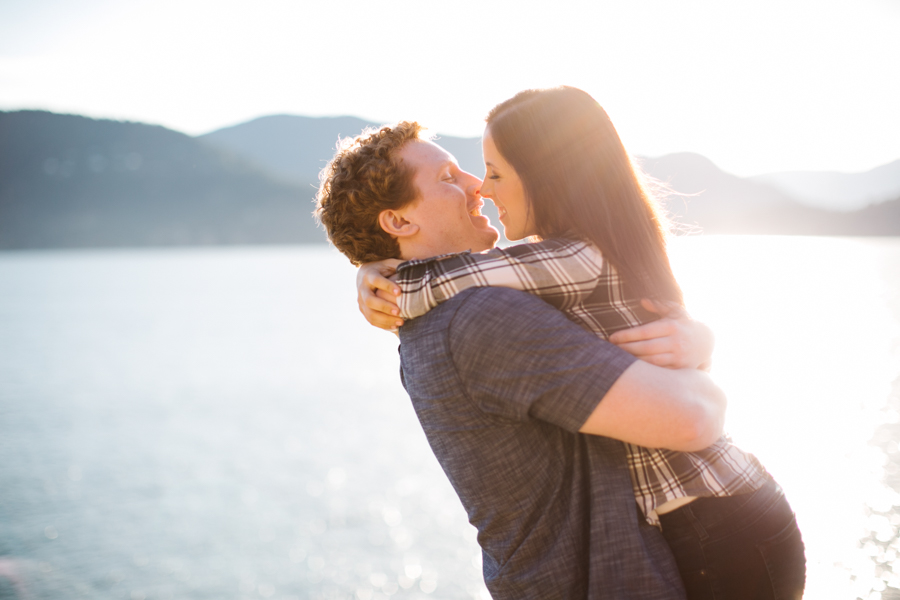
x,y
660,408
519,358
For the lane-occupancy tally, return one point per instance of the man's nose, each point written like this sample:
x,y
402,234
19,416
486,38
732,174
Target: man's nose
x,y
474,185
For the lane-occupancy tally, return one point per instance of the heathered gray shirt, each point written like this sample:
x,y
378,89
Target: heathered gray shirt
x,y
501,383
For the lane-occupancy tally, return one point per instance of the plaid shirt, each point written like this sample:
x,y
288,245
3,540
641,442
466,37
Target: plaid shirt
x,y
573,277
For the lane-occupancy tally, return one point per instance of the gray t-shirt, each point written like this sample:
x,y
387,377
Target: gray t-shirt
x,y
501,383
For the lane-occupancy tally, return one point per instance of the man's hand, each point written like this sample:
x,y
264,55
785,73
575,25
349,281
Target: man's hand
x,y
675,341
377,295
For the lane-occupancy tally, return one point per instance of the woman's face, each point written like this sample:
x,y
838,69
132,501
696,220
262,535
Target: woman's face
x,y
503,186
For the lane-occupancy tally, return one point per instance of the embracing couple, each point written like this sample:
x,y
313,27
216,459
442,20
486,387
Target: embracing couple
x,y
559,382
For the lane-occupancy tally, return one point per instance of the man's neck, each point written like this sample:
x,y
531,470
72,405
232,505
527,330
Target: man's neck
x,y
413,251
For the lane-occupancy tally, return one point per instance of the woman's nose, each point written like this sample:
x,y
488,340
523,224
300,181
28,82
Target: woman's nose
x,y
485,188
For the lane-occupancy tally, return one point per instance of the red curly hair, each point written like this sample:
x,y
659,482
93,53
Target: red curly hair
x,y
364,178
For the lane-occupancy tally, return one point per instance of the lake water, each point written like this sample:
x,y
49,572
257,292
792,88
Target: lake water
x,y
221,423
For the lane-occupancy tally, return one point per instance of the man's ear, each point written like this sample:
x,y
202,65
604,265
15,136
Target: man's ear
x,y
393,223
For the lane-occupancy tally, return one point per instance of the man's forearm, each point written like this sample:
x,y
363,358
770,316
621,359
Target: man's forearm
x,y
660,408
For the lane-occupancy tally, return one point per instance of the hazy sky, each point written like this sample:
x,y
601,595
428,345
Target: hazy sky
x,y
761,86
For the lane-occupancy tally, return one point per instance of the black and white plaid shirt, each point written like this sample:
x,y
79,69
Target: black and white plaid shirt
x,y
573,277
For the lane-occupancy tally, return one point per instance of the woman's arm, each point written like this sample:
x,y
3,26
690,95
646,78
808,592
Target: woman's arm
x,y
675,341
377,295
560,272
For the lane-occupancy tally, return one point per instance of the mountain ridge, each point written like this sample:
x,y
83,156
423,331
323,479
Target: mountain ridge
x,y
838,191
295,147
72,181
270,139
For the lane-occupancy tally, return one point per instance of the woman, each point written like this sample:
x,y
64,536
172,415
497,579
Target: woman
x,y
558,173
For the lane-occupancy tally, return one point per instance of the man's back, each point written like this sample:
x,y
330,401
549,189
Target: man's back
x,y
501,382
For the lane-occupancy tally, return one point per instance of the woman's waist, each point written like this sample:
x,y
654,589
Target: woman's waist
x,y
660,477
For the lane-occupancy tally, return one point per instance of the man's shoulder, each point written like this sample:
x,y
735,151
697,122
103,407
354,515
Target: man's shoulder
x,y
499,299
447,347
497,326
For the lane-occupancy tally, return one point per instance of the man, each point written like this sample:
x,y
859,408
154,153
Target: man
x,y
517,402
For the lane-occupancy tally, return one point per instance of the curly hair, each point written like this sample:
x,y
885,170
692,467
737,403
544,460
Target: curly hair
x,y
364,178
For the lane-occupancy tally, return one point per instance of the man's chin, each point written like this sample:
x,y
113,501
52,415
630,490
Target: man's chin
x,y
489,240
482,222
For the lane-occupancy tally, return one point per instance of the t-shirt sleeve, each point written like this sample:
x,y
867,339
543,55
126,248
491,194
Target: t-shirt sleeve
x,y
518,358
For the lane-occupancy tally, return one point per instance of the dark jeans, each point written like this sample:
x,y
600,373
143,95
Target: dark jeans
x,y
738,548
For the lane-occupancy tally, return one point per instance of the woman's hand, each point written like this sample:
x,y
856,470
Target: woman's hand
x,y
377,295
675,341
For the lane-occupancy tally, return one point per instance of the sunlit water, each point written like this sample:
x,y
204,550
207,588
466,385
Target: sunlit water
x,y
223,424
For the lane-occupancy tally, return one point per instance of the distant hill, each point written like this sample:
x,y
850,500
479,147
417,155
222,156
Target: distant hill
x,y
292,148
71,181
878,219
296,148
705,198
838,191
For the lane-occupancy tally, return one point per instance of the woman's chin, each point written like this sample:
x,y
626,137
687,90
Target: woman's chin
x,y
513,236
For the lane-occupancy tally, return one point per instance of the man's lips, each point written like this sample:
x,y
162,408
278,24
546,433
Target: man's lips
x,y
479,220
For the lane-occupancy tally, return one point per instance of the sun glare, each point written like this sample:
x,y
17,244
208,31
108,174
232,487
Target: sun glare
x,y
806,351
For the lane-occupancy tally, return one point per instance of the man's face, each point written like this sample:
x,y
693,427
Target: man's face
x,y
448,207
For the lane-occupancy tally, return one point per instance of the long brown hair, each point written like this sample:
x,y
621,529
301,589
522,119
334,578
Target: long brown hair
x,y
580,182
